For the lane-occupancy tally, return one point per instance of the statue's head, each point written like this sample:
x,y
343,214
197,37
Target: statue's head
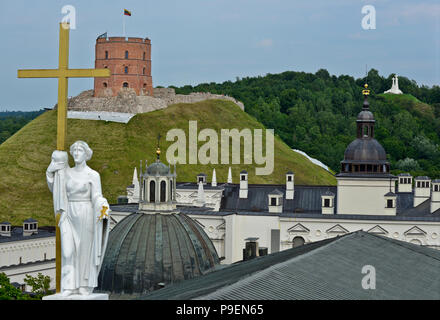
x,y
80,151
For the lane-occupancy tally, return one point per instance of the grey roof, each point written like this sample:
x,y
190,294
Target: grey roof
x,y
243,171
17,234
158,168
289,172
276,192
422,178
145,250
390,194
436,181
328,193
365,150
314,271
201,175
5,222
30,220
404,174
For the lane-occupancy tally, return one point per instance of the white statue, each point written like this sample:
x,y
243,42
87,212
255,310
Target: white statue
x,y
395,86
84,223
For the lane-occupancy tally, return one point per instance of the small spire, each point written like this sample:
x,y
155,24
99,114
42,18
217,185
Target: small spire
x,y
200,202
366,93
158,147
229,175
135,176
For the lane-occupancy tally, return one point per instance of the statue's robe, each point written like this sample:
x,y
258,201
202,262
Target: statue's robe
x,y
78,197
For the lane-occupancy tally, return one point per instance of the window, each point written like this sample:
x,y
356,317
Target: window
x,y
105,84
298,241
143,70
243,178
273,201
144,56
106,55
389,203
200,179
436,187
418,184
152,191
3,228
289,178
26,226
125,84
126,69
163,190
327,203
126,54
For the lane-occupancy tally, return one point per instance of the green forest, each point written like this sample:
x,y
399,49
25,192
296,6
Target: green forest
x,y
316,113
12,121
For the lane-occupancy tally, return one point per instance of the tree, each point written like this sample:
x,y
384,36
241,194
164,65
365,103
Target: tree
x,y
40,285
8,291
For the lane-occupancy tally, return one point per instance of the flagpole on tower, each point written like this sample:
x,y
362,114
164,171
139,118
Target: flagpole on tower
x,y
123,25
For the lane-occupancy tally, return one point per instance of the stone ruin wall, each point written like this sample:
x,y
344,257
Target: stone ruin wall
x,y
128,102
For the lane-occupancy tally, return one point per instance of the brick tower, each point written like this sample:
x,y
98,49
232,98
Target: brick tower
x,y
129,60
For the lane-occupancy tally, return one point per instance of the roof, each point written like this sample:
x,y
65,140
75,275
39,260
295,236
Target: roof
x,y
17,234
145,250
405,174
422,178
313,271
368,150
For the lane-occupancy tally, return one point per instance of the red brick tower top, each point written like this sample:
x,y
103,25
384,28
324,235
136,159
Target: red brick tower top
x,y
129,60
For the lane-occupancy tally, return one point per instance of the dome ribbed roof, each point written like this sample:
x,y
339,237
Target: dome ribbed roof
x,y
158,168
365,150
365,115
144,250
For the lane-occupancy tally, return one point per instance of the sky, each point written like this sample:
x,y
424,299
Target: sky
x,y
198,41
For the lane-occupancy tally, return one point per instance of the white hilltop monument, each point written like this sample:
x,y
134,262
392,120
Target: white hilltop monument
x,y
395,87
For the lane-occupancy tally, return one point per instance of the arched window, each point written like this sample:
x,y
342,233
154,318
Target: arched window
x,y
126,54
144,197
298,241
126,69
163,191
144,56
152,191
125,84
105,84
143,70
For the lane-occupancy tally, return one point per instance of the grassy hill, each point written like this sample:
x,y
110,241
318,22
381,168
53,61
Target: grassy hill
x,y
117,149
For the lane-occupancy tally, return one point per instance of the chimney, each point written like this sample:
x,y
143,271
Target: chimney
x,y
251,249
5,229
30,226
435,196
328,202
214,179
201,177
229,176
243,184
422,191
290,178
404,182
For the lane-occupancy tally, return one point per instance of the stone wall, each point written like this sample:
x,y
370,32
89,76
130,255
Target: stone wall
x,y
127,101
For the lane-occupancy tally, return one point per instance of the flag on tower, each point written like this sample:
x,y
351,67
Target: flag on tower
x,y
127,13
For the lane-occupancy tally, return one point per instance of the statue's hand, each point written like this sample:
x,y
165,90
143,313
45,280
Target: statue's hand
x,y
104,213
59,161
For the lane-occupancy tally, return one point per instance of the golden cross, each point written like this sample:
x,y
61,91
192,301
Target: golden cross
x,y
62,73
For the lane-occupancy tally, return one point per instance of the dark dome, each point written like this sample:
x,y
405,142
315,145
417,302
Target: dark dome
x,y
365,150
158,168
365,115
144,250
